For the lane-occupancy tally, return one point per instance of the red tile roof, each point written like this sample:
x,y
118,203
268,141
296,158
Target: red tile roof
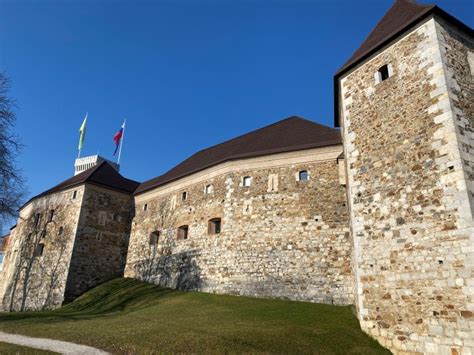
x,y
403,15
293,133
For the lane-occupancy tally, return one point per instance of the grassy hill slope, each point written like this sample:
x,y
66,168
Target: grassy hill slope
x,y
132,317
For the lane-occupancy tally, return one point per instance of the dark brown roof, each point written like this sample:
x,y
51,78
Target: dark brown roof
x,y
102,174
293,133
400,17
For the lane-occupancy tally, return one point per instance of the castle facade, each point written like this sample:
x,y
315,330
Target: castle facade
x,y
379,214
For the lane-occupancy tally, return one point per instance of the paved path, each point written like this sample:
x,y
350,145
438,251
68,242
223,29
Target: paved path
x,y
62,347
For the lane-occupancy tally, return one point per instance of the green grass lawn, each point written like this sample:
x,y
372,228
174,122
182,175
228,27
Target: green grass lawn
x,y
132,317
11,349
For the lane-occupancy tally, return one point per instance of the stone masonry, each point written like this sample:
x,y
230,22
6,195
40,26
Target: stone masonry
x,y
408,148
280,237
30,280
383,219
55,258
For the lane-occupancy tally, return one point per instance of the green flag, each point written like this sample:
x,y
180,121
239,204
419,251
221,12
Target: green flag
x,y
82,132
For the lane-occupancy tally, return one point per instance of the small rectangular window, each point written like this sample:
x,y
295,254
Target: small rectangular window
x,y
145,207
51,214
246,181
303,175
384,73
184,196
39,249
37,219
61,230
154,238
208,189
183,232
74,194
214,226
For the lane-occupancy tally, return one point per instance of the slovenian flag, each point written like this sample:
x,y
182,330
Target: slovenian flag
x,y
118,137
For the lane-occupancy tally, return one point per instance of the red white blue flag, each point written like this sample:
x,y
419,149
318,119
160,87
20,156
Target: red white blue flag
x,y
118,137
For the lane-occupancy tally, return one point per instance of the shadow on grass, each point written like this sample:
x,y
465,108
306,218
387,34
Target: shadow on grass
x,y
119,295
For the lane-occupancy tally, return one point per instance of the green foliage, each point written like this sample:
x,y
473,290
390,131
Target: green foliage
x,y
129,316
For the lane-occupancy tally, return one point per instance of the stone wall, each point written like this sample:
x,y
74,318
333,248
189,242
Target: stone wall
x,y
101,244
409,206
280,237
30,280
457,51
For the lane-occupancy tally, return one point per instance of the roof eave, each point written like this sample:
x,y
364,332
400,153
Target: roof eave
x,y
238,157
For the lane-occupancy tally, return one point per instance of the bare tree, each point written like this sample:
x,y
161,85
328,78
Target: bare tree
x,y
11,180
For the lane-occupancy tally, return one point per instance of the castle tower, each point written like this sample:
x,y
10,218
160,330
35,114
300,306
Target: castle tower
x,y
405,104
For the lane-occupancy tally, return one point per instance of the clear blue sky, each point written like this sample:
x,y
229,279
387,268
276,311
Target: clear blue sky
x,y
186,74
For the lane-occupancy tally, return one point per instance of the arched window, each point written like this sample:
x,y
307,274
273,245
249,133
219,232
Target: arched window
x,y
303,175
154,238
246,181
214,226
183,232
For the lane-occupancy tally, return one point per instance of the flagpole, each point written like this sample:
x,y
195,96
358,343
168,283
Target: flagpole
x,y
121,142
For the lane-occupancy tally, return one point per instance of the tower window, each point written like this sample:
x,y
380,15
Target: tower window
x,y
383,73
37,218
214,226
154,238
51,214
246,181
303,175
74,194
61,230
39,249
145,207
183,232
184,196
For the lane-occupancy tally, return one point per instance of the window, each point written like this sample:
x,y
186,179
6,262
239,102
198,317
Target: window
x,y
74,194
303,175
246,181
214,226
51,214
184,196
145,207
383,73
183,232
116,217
154,238
37,218
39,249
208,189
43,234
61,230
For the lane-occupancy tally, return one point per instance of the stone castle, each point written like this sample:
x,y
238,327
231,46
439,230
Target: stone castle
x,y
379,214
